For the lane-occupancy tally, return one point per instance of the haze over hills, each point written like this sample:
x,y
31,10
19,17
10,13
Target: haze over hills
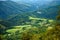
x,y
29,20
13,12
8,8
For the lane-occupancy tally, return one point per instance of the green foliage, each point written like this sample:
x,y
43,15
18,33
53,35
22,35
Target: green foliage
x,y
2,29
54,33
42,29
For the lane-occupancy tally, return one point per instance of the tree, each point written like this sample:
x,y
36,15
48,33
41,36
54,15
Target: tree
x,y
54,34
2,29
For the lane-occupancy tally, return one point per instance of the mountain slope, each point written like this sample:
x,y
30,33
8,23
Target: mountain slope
x,y
16,14
8,8
49,12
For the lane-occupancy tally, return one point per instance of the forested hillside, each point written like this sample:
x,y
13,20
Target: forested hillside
x,y
21,21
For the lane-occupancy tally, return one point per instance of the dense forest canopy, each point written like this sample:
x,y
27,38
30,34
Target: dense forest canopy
x,y
29,20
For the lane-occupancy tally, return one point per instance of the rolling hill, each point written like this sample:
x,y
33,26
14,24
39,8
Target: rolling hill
x,y
13,13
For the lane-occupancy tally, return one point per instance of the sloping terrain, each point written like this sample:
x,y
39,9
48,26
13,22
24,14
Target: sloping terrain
x,y
13,13
8,8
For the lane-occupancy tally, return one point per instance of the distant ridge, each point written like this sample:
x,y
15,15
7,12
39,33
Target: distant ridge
x,y
8,8
13,13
